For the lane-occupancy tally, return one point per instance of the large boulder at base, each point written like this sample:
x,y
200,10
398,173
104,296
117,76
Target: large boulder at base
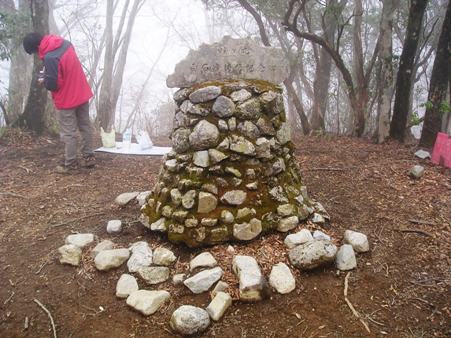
x,y
252,281
110,259
202,281
154,274
298,238
220,303
69,254
203,260
345,259
80,240
189,320
103,245
282,279
147,302
358,241
126,285
141,256
163,256
313,254
125,198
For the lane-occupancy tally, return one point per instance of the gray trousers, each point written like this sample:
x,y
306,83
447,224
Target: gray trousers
x,y
70,121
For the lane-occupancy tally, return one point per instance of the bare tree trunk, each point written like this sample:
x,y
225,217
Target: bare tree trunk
x,y
324,66
288,82
105,110
120,65
298,105
385,79
405,75
358,70
19,71
113,73
290,22
438,87
33,116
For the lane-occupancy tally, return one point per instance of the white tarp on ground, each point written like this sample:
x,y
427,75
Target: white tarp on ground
x,y
135,149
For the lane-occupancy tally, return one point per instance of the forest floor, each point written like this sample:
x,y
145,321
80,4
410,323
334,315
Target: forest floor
x,y
401,287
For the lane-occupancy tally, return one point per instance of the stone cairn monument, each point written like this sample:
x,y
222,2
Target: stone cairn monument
x,y
232,174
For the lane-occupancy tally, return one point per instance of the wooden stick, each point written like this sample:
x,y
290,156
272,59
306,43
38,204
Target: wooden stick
x,y
9,298
419,221
418,231
76,219
48,314
353,310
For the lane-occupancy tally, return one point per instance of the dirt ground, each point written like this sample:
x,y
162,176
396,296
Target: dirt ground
x,y
401,288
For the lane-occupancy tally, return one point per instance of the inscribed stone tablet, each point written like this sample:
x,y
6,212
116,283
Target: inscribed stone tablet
x,y
230,59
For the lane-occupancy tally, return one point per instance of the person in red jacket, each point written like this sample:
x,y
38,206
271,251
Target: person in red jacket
x,y
63,75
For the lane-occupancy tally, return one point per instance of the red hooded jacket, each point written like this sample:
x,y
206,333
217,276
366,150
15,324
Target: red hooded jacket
x,y
63,75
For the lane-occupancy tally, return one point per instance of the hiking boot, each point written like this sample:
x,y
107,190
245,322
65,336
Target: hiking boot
x,y
67,169
89,161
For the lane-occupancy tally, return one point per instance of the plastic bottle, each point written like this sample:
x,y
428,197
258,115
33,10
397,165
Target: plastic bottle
x,y
127,138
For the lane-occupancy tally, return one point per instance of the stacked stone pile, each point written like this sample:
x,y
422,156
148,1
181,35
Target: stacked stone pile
x,y
232,174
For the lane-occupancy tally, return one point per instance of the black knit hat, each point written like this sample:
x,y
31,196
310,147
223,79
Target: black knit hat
x,y
31,42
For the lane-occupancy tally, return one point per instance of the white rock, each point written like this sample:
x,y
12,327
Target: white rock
x,y
205,94
285,210
203,280
69,254
80,240
416,171
189,320
227,217
147,302
141,256
318,219
163,256
298,238
247,231
345,259
312,254
240,95
423,154
103,245
358,241
154,274
250,277
142,196
317,234
125,198
110,259
201,158
159,225
219,287
178,278
234,197
219,305
207,202
204,260
288,223
114,226
282,279
230,250
126,285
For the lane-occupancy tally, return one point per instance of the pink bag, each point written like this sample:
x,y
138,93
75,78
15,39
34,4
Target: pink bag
x,y
441,153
